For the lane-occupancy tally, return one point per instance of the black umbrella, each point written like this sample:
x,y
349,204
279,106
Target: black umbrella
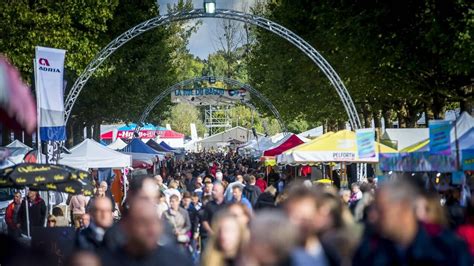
x,y
47,177
72,187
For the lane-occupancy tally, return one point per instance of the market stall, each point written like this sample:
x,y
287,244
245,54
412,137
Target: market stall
x,y
143,156
331,147
419,157
91,155
118,144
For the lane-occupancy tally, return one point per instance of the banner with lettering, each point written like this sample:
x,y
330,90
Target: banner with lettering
x,y
418,162
440,141
365,139
49,85
210,96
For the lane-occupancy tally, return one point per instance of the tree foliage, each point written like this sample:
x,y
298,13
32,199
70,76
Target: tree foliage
x,y
76,26
397,58
182,115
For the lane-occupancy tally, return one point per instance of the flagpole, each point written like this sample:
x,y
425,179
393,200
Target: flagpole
x,y
38,115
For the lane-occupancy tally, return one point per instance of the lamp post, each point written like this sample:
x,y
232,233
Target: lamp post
x,y
210,6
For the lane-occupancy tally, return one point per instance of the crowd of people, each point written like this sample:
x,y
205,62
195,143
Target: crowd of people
x,y
220,209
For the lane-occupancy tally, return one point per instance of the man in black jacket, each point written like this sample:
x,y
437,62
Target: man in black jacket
x,y
36,211
91,237
142,231
399,239
251,191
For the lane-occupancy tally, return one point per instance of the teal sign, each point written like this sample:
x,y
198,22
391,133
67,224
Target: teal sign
x,y
467,160
440,142
365,139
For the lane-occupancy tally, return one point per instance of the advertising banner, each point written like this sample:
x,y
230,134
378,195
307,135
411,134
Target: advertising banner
x,y
209,96
49,84
440,142
365,139
418,162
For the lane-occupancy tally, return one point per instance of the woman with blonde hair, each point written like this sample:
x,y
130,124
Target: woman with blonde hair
x,y
430,211
226,244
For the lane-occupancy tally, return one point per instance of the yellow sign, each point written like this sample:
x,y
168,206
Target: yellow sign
x,y
59,177
31,169
40,179
69,190
20,180
51,186
82,175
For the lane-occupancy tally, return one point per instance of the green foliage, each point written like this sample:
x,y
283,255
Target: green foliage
x,y
182,115
76,26
298,125
243,116
138,71
398,56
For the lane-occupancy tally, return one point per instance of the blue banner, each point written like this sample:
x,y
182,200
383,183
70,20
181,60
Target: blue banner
x,y
365,139
53,133
418,162
440,141
467,160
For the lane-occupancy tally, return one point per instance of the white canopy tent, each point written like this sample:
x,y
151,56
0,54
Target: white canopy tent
x,y
236,134
256,148
18,144
405,137
90,154
16,153
312,133
118,144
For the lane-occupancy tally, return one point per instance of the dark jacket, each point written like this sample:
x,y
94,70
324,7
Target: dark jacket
x,y
425,250
162,255
251,192
36,212
89,238
265,200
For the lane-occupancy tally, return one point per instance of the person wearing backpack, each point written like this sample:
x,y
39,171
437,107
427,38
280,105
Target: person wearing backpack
x,y
251,191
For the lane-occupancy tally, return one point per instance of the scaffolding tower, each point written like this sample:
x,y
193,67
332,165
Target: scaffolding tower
x,y
217,119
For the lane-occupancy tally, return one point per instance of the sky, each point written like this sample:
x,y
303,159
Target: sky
x,y
204,41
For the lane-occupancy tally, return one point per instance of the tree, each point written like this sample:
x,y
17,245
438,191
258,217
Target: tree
x,y
182,115
138,71
76,26
397,59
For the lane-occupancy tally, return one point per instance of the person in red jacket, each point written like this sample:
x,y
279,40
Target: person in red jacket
x,y
261,183
11,216
466,230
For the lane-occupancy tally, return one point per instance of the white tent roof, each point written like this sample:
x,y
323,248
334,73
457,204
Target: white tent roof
x,y
18,144
222,139
90,154
405,137
312,133
464,124
257,148
118,144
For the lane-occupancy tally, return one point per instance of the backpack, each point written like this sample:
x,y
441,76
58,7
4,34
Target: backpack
x,y
251,193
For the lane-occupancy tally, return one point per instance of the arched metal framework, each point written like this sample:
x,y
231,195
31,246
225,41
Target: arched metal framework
x,y
263,23
228,81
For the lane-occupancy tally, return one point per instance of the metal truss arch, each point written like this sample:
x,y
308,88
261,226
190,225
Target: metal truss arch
x,y
261,22
228,81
